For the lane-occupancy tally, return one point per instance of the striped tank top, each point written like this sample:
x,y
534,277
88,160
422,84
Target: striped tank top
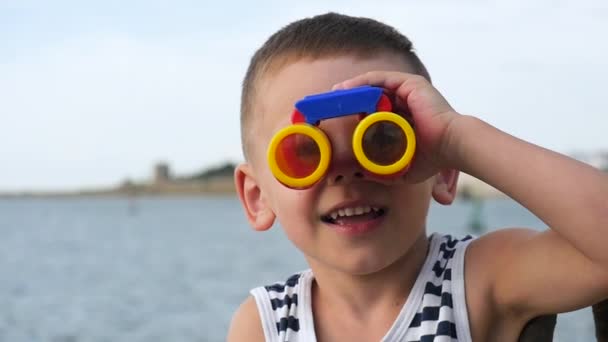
x,y
435,310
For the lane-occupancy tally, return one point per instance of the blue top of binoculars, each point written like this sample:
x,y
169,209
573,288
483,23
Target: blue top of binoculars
x,y
338,103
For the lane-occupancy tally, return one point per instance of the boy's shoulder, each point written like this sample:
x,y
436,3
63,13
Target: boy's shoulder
x,y
246,324
496,283
272,309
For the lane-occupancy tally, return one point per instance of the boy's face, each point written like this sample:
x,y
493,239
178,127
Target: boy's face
x,y
358,244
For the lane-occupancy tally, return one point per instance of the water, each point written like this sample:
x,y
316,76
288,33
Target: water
x,y
161,269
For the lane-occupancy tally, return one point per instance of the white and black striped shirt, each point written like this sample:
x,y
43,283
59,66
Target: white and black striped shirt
x,y
435,310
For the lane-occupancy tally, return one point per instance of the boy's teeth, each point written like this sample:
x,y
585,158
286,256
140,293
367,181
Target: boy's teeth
x,y
352,211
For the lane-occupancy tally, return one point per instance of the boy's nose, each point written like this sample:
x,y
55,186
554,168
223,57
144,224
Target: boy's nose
x,y
344,176
343,167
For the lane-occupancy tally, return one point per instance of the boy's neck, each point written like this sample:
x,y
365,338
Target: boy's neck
x,y
363,295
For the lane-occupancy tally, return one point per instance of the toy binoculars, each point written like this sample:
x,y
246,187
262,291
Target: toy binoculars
x,y
383,142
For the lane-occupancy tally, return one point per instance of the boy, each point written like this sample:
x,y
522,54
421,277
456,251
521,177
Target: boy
x,y
375,274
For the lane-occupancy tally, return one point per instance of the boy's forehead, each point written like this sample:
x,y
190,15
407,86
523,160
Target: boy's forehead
x,y
279,89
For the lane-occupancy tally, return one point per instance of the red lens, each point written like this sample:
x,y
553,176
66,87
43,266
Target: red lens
x,y
298,155
384,143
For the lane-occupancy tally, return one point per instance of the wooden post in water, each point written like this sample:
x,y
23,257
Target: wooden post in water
x,y
476,223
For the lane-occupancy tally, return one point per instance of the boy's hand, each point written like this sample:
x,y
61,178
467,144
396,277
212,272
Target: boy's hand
x,y
510,270
432,115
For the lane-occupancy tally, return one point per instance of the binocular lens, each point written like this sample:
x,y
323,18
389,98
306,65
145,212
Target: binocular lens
x,y
384,143
298,155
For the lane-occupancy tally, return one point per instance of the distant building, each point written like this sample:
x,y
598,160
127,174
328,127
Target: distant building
x,y
161,173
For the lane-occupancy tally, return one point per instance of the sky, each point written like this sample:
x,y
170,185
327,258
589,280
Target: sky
x,y
95,92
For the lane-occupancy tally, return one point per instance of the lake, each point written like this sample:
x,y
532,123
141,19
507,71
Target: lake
x,y
162,269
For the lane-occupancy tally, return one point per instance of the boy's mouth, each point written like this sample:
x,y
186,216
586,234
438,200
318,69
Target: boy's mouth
x,y
354,214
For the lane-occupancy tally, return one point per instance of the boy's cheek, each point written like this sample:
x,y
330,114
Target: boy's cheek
x,y
295,205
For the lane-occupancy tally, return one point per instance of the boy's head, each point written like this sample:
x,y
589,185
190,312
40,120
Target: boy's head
x,y
326,35
349,220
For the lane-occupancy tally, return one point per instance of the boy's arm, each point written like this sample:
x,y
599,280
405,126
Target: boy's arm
x,y
558,270
246,324
525,273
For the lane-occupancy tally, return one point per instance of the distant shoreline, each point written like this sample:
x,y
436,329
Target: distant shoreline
x,y
219,180
468,188
215,186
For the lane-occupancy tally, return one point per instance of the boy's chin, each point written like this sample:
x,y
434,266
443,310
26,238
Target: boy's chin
x,y
375,258
364,264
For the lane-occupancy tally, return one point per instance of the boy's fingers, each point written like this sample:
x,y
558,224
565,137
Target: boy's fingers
x,y
386,79
373,78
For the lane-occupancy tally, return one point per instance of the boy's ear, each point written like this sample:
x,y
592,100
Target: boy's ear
x,y
444,189
259,214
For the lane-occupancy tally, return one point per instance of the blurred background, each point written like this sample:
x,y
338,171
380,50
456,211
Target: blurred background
x,y
119,131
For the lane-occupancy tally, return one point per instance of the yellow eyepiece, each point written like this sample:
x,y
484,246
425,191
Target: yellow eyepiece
x,y
384,143
299,155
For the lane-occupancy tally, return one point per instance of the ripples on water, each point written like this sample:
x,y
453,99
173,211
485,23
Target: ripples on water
x,y
160,269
